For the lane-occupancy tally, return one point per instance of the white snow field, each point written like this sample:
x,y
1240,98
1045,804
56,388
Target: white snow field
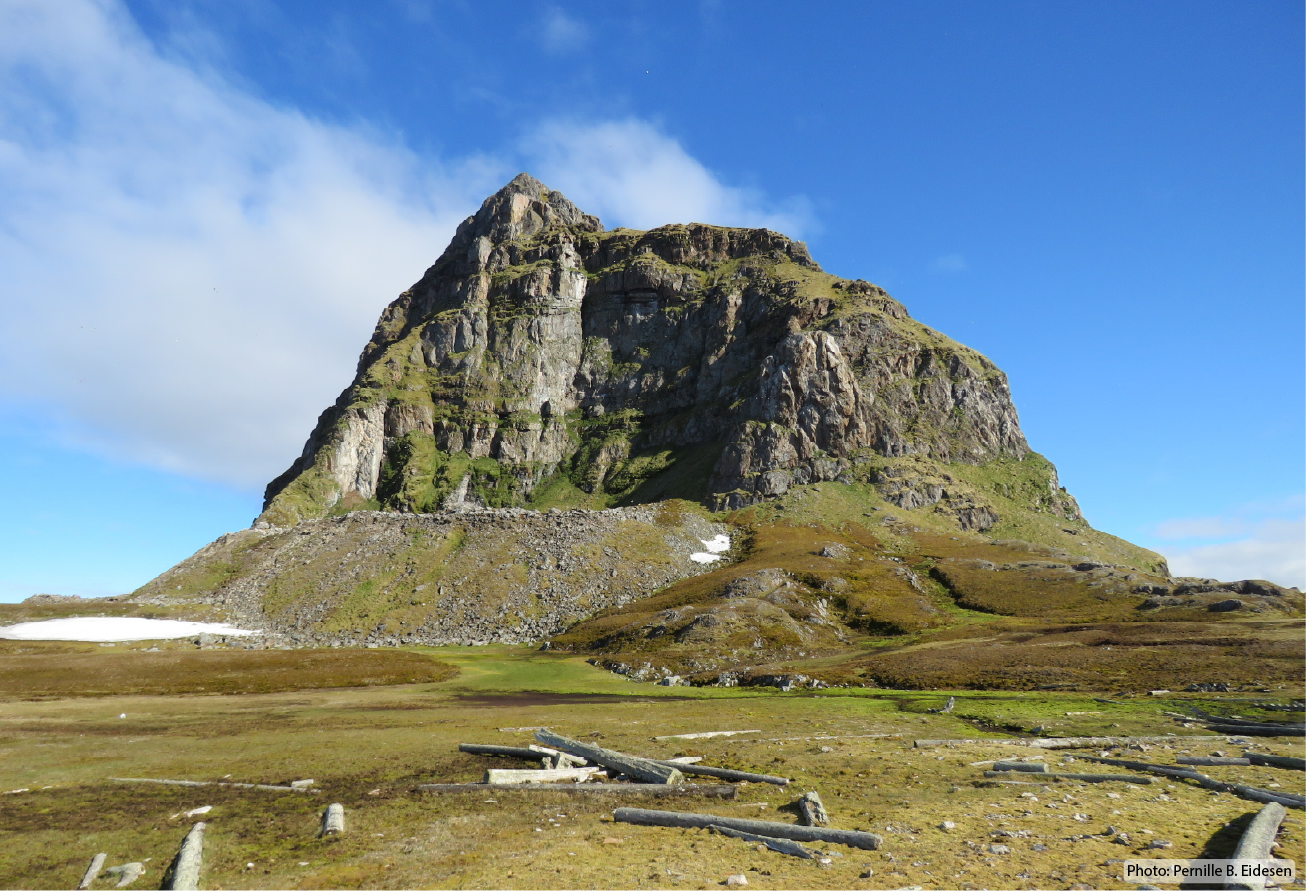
x,y
112,629
715,548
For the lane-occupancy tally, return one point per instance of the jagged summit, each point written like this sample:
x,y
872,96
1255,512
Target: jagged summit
x,y
719,364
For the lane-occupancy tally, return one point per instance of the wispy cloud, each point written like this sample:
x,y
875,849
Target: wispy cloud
x,y
632,174
561,33
1263,541
950,263
191,271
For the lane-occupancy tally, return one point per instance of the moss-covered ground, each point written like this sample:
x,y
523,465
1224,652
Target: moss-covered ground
x,y
368,748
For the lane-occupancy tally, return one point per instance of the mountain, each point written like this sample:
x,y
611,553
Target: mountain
x,y
722,365
545,429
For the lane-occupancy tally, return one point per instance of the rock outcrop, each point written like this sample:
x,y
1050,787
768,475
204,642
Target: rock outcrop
x,y
466,577
720,364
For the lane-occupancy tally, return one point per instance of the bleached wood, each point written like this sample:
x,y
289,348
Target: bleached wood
x,y
333,820
866,840
92,871
638,768
186,868
560,775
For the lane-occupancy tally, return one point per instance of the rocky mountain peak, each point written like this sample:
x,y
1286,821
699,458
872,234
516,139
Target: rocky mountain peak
x,y
521,210
723,365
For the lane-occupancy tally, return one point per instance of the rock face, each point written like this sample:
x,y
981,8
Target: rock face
x,y
699,361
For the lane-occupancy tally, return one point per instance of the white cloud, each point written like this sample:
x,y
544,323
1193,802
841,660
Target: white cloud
x,y
1275,553
951,263
190,272
1265,541
561,33
629,173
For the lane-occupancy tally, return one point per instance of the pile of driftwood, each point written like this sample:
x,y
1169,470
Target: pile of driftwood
x,y
570,765
1287,799
1236,724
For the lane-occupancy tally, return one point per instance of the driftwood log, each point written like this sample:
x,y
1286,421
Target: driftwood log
x,y
713,791
783,845
1069,742
638,768
1249,792
1243,727
126,873
333,820
558,775
186,868
1287,762
1214,762
724,773
1256,843
260,786
866,840
552,758
1022,766
92,871
502,751
1082,777
811,810
707,734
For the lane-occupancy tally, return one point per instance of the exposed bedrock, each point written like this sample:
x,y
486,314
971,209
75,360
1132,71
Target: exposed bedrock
x,y
540,347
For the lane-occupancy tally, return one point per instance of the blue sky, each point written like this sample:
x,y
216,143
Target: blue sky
x,y
205,205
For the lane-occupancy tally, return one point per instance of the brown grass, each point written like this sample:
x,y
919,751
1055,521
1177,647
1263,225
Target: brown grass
x,y
33,672
1095,656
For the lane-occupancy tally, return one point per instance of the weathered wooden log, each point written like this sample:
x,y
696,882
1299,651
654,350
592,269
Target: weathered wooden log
x,y
502,751
264,787
1083,777
707,734
1287,762
1250,792
1068,742
782,845
866,840
186,868
1298,729
1253,729
724,773
1256,843
560,775
126,873
552,758
1213,762
1022,766
92,871
333,820
811,810
638,768
658,789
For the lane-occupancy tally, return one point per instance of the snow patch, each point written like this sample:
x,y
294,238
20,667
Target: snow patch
x,y
704,557
717,545
112,628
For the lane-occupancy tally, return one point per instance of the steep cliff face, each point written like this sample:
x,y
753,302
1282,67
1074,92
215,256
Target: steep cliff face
x,y
699,361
